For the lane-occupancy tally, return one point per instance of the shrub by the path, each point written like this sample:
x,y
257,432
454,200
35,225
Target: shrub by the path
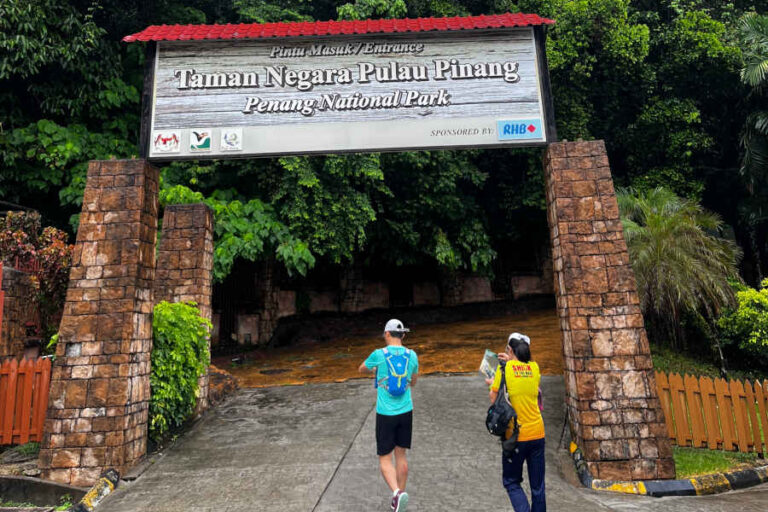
x,y
179,356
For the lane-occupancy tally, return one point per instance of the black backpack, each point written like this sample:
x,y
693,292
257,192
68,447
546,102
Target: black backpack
x,y
500,413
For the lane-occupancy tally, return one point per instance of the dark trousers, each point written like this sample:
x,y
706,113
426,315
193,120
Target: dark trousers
x,y
531,452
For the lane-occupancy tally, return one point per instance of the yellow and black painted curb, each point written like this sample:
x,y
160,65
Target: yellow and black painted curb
x,y
101,489
695,486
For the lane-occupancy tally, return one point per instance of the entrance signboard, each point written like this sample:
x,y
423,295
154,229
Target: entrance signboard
x,y
366,92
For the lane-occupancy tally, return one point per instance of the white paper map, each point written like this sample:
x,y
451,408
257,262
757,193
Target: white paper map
x,y
489,364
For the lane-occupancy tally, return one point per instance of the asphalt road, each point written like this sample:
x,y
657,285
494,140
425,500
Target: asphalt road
x,y
311,449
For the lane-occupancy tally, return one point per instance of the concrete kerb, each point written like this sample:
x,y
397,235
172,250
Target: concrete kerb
x,y
697,486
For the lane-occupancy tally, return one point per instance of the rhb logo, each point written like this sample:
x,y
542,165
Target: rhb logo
x,y
519,129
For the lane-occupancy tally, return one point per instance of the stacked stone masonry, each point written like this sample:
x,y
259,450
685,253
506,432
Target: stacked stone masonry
x,y
17,289
613,408
185,265
99,399
269,292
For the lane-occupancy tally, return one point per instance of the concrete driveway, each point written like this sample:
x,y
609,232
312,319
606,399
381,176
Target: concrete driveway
x,y
311,449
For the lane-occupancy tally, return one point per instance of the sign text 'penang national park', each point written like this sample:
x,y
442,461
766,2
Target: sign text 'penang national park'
x,y
295,88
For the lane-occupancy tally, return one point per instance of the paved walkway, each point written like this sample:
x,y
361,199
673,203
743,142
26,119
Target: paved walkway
x,y
311,449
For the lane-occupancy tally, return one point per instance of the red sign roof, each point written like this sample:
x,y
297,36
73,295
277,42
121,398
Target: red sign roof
x,y
324,28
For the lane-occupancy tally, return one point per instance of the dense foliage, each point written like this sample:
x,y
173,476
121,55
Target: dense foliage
x,y
179,356
675,87
629,71
754,163
746,326
46,255
682,264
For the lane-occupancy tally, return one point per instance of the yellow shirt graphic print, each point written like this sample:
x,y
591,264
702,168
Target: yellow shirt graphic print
x,y
523,381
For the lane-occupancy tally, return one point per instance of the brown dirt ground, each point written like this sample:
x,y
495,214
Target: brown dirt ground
x,y
456,347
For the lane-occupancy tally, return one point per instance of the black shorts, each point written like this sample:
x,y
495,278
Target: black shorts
x,y
393,431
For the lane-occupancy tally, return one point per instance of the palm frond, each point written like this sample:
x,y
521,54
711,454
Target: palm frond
x,y
753,31
681,262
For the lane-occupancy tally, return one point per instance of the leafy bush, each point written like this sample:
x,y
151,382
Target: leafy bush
x,y
46,255
179,356
747,325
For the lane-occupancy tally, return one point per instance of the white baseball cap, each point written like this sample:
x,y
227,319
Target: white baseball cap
x,y
519,337
395,325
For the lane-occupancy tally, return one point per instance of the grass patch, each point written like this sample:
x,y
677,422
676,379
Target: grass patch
x,y
31,448
670,361
16,504
697,461
65,503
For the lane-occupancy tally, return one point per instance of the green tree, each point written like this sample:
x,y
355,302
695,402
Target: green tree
x,y
628,71
365,9
262,11
63,100
595,50
249,230
754,164
432,214
682,263
40,39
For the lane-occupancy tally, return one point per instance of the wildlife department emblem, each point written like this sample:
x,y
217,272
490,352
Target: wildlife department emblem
x,y
200,140
166,142
232,139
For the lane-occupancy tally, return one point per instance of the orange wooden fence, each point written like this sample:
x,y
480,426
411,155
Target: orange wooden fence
x,y
719,414
23,399
2,299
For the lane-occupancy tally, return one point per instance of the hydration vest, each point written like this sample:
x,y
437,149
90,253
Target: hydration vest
x,y
397,372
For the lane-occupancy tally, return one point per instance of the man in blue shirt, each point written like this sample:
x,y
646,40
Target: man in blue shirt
x,y
394,407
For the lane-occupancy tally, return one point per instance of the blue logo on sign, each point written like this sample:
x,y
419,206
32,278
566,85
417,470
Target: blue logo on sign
x,y
520,129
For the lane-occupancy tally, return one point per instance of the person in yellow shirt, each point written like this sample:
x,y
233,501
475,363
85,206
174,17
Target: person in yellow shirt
x,y
522,378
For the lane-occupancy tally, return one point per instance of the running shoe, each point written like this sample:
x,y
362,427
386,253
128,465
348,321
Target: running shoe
x,y
400,502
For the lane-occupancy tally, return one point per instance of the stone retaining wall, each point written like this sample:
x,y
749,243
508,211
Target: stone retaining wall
x,y
17,311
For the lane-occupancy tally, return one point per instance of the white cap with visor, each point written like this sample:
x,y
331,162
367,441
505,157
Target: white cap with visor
x,y
518,337
395,325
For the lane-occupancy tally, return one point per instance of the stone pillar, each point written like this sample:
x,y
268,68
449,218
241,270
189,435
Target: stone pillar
x,y
613,406
18,309
99,399
352,287
185,265
269,292
451,282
